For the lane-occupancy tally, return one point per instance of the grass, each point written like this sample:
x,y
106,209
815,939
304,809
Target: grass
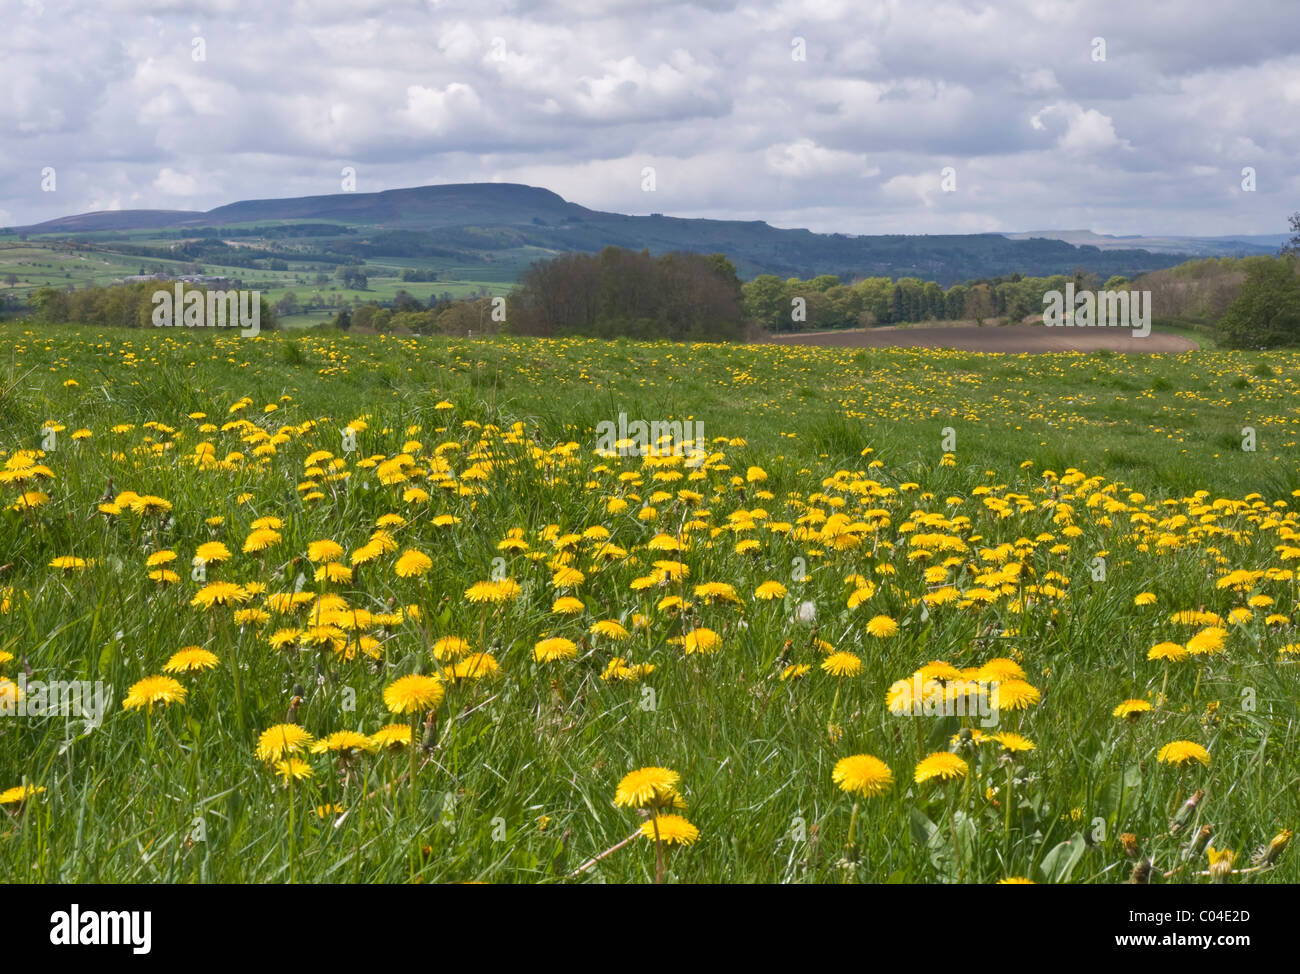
x,y
516,774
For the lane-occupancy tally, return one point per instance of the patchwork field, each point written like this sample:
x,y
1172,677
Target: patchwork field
x,y
366,608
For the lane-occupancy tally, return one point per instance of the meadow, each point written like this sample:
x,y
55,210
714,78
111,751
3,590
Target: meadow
x,y
379,609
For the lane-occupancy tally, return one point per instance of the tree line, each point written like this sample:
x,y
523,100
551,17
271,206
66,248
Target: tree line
x,y
116,305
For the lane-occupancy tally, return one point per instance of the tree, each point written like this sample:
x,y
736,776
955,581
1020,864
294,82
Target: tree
x,y
979,303
765,302
1293,245
1266,313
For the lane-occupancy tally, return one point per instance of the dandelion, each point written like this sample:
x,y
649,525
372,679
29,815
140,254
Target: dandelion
x,y
211,553
154,690
1183,752
19,794
1169,652
554,648
1014,743
769,591
1131,710
610,629
344,742
392,737
474,667
1221,861
842,664
450,647
701,640
219,593
493,592
281,740
862,774
191,659
1014,695
647,788
293,769
670,830
882,627
412,564
413,693
940,765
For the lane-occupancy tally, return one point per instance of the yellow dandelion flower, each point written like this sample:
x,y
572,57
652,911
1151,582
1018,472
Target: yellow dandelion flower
x,y
670,829
647,787
190,659
941,765
554,648
842,664
1183,752
154,689
413,693
862,774
275,742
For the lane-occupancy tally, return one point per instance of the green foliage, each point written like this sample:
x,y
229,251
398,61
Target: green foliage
x,y
1266,314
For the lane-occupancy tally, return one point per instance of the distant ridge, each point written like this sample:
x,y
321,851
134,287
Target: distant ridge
x,y
490,222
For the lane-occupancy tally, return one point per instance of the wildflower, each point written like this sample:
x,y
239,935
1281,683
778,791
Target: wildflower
x,y
295,768
219,593
554,648
211,553
1131,710
647,787
413,693
941,765
1014,695
862,774
1183,752
670,830
19,794
275,742
842,664
392,736
190,659
882,627
610,629
154,689
449,647
345,741
1221,861
701,640
412,564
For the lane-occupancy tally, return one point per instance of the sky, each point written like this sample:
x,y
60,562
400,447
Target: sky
x,y
853,116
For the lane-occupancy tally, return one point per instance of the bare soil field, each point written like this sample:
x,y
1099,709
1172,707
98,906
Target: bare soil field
x,y
1013,339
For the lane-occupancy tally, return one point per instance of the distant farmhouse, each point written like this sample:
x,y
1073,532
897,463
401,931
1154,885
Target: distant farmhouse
x,y
205,280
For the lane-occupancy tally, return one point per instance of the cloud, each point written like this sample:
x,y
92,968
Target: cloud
x,y
1086,130
172,183
853,137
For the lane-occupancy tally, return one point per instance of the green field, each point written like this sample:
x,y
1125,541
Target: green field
x,y
986,521
37,263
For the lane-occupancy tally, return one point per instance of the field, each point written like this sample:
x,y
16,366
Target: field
x,y
380,609
1015,339
38,263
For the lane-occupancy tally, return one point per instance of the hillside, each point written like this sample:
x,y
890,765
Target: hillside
x,y
482,223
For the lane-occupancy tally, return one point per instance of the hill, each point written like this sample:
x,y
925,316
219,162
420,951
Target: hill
x,y
485,223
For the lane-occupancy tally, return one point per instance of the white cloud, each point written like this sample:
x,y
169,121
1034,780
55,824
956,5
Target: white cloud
x,y
852,139
173,183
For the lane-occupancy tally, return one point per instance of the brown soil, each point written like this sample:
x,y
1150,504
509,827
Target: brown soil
x,y
1012,339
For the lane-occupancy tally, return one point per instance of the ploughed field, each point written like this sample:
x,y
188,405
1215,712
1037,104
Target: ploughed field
x,y
1012,339
374,608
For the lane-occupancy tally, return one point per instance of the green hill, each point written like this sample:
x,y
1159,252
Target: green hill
x,y
510,224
